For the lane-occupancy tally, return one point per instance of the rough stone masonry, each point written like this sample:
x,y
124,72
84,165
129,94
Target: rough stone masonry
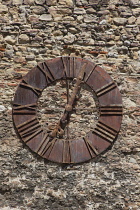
x,y
106,32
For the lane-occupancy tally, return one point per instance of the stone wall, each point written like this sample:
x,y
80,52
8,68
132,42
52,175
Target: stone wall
x,y
105,32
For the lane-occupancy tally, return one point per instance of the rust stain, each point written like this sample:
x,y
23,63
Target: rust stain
x,y
2,49
97,52
12,84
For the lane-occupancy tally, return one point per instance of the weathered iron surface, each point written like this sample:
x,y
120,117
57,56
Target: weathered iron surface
x,y
50,146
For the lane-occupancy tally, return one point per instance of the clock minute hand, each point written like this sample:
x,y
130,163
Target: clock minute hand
x,y
69,105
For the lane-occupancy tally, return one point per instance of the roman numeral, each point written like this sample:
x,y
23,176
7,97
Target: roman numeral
x,y
111,109
29,129
72,67
41,149
65,61
104,89
92,150
24,109
87,77
66,152
36,90
43,145
105,131
44,68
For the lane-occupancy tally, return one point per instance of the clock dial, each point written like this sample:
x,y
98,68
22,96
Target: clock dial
x,y
57,142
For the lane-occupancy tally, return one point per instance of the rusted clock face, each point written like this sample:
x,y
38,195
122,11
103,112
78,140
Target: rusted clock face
x,y
54,142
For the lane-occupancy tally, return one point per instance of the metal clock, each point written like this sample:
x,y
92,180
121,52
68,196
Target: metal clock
x,y
50,143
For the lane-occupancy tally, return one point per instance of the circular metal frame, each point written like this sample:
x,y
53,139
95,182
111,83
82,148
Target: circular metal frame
x,y
67,151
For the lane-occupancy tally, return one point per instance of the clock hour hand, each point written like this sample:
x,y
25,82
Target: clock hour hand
x,y
69,106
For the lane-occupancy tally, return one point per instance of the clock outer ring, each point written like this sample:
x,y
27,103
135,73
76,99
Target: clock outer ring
x,y
74,151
